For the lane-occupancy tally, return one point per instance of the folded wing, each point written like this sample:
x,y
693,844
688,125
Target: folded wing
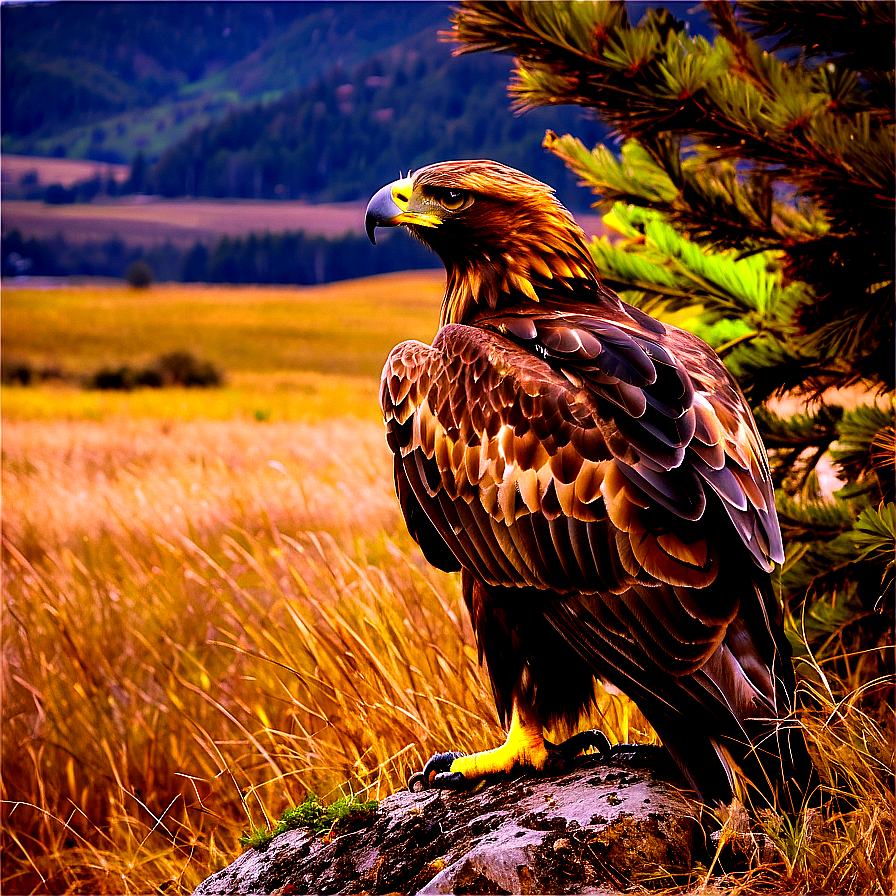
x,y
585,456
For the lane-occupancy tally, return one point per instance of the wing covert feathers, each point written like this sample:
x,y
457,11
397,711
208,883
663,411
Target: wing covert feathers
x,y
583,455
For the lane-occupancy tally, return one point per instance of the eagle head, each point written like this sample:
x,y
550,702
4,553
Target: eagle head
x,y
502,235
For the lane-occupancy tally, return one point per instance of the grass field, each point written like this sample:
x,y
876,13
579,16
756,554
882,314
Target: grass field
x,y
211,606
344,330
57,171
152,221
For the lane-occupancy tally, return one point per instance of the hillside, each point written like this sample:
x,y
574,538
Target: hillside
x,y
106,80
404,108
262,100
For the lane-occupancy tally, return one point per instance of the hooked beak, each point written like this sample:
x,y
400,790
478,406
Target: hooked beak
x,y
389,208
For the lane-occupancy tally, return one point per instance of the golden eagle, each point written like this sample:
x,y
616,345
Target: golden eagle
x,y
598,479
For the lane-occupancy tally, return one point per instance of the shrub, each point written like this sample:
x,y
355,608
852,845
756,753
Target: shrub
x,y
16,373
180,368
139,275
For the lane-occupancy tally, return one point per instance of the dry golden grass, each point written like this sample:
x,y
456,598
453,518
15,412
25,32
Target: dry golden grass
x,y
276,397
206,617
69,483
206,620
194,637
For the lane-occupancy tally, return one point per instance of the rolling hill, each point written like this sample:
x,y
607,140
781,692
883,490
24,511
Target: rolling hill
x,y
107,80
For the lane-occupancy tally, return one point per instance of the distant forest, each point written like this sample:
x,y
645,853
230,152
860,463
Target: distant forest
x,y
289,257
105,80
414,105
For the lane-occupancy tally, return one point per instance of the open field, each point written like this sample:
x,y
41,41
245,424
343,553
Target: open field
x,y
286,353
150,221
57,171
211,606
340,329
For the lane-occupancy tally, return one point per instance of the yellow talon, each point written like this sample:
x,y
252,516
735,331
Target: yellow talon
x,y
524,747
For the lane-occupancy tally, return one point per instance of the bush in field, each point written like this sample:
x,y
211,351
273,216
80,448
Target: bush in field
x,y
21,372
14,372
139,275
180,368
184,369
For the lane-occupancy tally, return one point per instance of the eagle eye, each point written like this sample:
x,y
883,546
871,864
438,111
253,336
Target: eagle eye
x,y
453,200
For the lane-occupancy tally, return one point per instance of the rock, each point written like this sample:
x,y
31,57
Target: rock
x,y
595,830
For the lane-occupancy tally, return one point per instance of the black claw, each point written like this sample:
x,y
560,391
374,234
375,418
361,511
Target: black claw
x,y
450,781
580,742
437,774
562,757
414,780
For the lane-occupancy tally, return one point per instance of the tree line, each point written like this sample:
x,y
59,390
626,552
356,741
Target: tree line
x,y
292,257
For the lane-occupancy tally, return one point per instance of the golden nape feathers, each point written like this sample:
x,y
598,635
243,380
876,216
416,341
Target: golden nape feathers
x,y
598,479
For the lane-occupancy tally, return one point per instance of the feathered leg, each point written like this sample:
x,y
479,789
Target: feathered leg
x,y
531,688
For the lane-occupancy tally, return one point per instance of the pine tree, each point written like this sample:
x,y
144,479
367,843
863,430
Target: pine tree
x,y
754,188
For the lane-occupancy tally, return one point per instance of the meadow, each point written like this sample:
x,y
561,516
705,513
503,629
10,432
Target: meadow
x,y
46,171
211,607
141,221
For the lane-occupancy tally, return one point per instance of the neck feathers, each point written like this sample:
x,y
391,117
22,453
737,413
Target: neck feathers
x,y
558,267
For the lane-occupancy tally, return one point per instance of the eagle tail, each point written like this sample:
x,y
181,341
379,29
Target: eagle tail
x,y
733,713
748,684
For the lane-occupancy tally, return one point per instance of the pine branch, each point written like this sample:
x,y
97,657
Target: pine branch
x,y
726,285
812,521
769,366
710,202
865,440
818,429
860,32
874,537
654,78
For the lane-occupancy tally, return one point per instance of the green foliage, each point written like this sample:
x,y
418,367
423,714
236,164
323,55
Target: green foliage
x,y
758,187
343,815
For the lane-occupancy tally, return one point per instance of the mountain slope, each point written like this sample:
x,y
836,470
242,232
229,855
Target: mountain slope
x,y
106,80
346,134
317,101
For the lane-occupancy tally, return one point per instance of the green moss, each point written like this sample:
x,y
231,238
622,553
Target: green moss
x,y
336,818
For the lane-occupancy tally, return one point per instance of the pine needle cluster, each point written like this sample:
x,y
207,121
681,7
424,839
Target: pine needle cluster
x,y
755,185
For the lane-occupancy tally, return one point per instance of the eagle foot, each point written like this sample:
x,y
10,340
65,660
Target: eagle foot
x,y
574,746
437,774
558,759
